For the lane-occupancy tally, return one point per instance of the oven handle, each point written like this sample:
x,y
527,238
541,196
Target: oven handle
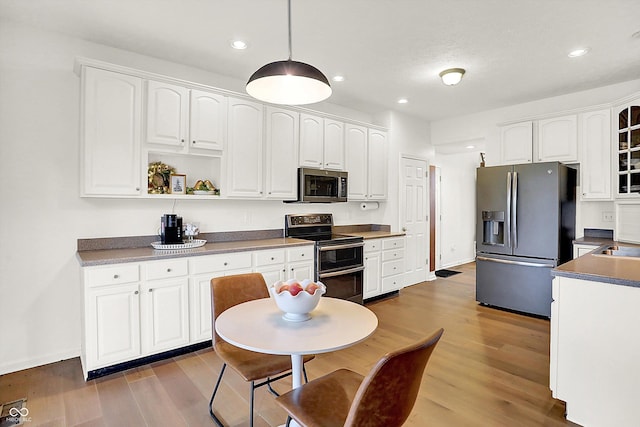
x,y
341,272
347,246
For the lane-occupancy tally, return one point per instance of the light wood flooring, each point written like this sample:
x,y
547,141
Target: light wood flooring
x,y
491,368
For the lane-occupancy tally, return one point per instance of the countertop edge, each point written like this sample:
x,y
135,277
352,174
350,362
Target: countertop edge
x,y
595,278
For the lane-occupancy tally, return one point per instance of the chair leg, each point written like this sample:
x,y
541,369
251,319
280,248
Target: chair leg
x,y
304,372
251,404
215,390
288,421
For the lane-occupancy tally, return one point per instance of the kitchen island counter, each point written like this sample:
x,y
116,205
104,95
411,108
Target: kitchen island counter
x,y
602,268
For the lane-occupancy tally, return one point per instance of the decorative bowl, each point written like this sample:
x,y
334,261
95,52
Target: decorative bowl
x,y
297,307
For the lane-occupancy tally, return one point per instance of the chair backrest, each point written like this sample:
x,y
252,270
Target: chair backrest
x,y
232,290
387,394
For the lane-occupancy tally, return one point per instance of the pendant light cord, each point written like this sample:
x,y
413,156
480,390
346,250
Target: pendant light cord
x,y
289,17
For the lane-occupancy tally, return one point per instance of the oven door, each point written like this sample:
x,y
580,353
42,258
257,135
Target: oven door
x,y
339,257
346,284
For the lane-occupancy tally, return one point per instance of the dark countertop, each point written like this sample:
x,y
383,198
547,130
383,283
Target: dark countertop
x,y
601,268
116,256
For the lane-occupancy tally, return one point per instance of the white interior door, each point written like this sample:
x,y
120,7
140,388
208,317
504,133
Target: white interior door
x,y
414,218
438,219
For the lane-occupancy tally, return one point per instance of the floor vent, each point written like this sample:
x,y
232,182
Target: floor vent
x,y
14,413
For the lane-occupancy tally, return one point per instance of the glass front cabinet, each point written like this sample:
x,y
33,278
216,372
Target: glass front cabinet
x,y
628,149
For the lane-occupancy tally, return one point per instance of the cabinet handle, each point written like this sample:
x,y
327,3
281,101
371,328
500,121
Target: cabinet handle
x,y
135,293
115,276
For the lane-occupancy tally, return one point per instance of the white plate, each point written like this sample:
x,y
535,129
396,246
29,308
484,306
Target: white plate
x,y
200,192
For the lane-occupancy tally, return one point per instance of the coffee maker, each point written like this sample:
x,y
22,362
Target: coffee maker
x,y
170,229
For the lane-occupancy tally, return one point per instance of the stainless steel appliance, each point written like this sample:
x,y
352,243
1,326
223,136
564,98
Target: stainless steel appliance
x,y
339,258
170,229
321,186
525,226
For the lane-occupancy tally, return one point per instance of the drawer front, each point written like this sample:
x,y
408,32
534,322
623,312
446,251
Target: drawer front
x,y
395,243
113,275
390,268
392,283
166,269
300,253
221,262
270,257
373,245
392,255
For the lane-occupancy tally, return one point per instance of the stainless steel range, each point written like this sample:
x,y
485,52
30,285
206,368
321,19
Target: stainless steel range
x,y
339,258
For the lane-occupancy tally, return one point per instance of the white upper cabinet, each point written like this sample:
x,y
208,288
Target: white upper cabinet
x,y
558,139
321,143
516,143
377,160
281,153
333,145
208,120
244,151
167,114
626,148
185,119
595,162
111,120
366,161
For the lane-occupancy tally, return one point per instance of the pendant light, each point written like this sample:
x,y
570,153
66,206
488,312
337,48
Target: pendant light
x,y
289,82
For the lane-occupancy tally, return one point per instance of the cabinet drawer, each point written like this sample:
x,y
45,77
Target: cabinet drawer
x,y
372,245
392,267
392,255
166,269
393,243
118,274
221,262
392,283
270,257
301,253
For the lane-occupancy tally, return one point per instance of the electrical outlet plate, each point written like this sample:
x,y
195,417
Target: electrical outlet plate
x,y
607,216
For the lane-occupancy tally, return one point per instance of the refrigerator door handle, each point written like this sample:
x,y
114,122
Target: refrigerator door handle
x,y
514,206
508,213
523,263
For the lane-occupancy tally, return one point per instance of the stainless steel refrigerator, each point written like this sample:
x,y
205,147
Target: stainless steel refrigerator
x,y
525,227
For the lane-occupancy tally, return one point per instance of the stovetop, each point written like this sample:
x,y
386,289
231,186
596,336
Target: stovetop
x,y
316,227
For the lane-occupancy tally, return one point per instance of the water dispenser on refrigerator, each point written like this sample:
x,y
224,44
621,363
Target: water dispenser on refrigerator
x,y
493,227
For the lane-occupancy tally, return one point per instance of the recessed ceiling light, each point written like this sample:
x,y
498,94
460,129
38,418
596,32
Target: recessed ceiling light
x,y
471,146
238,44
403,101
578,52
338,78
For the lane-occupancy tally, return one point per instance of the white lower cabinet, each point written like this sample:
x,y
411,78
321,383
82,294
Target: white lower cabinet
x,y
384,266
165,315
285,264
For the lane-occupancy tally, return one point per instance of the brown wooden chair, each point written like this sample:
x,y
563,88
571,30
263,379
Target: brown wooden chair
x,y
384,398
225,293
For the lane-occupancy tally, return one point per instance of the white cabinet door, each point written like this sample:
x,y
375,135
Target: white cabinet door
x,y
516,143
112,329
356,141
111,125
244,150
299,270
333,145
200,307
558,139
165,315
372,275
377,165
311,141
281,153
167,114
207,120
595,164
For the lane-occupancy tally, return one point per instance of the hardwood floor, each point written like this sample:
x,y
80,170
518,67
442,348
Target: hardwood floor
x,y
491,368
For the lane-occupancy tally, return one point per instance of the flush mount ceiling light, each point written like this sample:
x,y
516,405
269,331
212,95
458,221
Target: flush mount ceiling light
x,y
578,52
289,82
452,76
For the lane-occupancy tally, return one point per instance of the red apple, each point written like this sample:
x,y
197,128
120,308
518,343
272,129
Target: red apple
x,y
295,288
283,287
311,288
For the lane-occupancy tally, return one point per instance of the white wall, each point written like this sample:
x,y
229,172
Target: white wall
x,y
482,127
42,215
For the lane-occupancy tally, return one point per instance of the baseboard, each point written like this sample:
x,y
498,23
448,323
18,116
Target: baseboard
x,y
7,368
431,276
457,263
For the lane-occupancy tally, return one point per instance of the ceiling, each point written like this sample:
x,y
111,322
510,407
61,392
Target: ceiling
x,y
513,51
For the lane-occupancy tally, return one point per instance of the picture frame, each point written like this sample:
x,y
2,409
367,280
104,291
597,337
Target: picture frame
x,y
178,184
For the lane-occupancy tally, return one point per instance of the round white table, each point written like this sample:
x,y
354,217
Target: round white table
x,y
258,326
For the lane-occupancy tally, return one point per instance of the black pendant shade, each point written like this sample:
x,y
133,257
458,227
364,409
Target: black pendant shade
x,y
289,82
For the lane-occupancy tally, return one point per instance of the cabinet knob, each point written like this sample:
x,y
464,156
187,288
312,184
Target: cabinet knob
x,y
225,263
302,255
115,276
168,270
272,258
150,289
135,293
194,143
137,188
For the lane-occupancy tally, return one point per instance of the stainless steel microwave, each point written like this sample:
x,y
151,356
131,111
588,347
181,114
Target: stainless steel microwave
x,y
321,186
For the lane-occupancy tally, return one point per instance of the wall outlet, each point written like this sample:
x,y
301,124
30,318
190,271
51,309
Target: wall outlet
x,y
607,216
